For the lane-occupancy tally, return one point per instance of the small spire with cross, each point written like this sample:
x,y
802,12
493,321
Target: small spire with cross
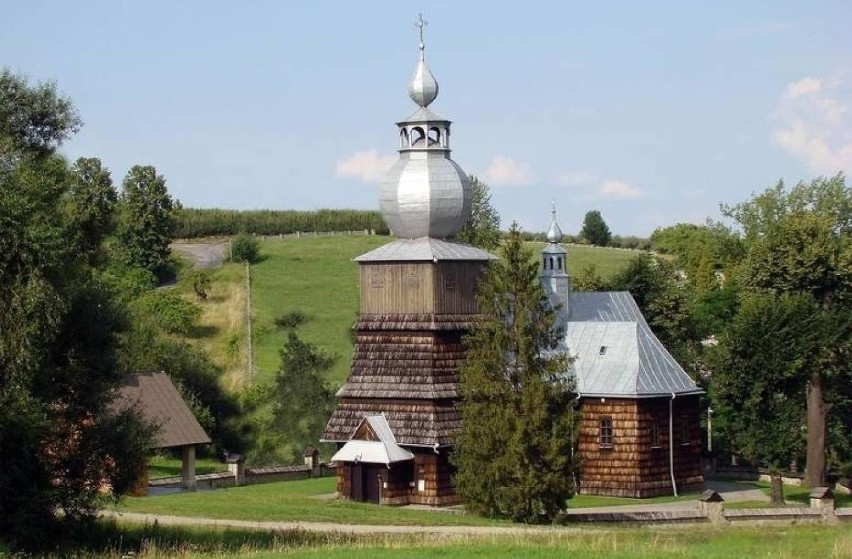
x,y
420,23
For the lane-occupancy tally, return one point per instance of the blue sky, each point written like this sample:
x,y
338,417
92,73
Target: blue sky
x,y
651,112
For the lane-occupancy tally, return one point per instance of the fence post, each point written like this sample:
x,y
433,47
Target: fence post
x,y
248,324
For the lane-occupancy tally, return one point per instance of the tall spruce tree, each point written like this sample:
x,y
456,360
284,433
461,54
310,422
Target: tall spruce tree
x,y
514,453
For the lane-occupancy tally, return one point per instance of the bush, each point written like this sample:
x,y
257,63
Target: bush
x,y
168,310
291,320
244,248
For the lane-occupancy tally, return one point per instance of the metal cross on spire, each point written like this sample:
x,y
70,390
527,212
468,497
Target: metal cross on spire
x,y
420,23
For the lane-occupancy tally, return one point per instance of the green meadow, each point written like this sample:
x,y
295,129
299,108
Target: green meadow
x,y
316,275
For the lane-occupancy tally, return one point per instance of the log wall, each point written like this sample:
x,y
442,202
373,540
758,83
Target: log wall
x,y
634,466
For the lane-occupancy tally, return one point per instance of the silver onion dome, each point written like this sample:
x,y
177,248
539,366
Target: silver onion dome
x,y
423,88
425,193
554,233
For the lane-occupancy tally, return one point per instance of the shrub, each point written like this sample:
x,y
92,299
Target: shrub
x,y
291,320
244,248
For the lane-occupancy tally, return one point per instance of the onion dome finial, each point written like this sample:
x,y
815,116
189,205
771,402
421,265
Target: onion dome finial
x,y
554,233
423,88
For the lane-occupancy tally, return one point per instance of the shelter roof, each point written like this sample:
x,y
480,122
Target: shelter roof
x,y
160,403
425,249
384,450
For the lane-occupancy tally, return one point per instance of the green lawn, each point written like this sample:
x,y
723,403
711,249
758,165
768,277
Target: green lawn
x,y
164,465
289,501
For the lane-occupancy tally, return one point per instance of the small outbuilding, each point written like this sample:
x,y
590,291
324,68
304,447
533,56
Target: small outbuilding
x,y
159,402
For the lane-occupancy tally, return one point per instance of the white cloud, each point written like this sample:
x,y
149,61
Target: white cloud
x,y
805,86
505,171
812,123
366,166
612,189
590,186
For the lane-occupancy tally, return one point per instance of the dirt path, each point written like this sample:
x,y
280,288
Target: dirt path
x,y
202,255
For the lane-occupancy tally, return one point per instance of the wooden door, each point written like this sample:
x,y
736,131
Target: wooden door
x,y
356,481
372,482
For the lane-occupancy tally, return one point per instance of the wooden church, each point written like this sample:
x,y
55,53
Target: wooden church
x,y
397,413
640,432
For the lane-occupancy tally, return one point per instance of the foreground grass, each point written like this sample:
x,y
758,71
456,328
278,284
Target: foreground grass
x,y
700,542
291,501
164,465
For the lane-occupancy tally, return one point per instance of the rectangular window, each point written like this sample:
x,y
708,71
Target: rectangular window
x,y
605,437
655,434
684,430
450,282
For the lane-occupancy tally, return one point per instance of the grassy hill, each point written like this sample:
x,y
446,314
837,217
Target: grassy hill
x,y
316,276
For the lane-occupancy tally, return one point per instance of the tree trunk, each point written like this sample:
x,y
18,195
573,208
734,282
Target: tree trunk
x,y
777,488
815,465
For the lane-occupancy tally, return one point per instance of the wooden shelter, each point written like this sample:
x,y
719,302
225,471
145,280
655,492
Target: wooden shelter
x,y
417,301
159,402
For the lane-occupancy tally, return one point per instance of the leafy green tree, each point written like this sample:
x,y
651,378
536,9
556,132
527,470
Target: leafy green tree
x,y
759,374
514,455
146,219
58,336
799,241
301,399
595,230
245,248
92,204
483,227
666,302
698,248
588,279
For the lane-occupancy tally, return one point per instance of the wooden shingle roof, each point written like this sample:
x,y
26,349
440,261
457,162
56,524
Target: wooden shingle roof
x,y
159,402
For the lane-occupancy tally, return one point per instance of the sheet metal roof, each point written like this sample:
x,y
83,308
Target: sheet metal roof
x,y
425,249
159,402
384,451
616,352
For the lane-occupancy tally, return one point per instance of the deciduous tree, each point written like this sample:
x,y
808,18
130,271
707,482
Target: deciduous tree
x,y
799,241
483,227
595,230
514,454
146,219
61,440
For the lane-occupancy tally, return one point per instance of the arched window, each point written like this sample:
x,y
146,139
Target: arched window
x,y
403,138
551,262
559,263
434,136
417,136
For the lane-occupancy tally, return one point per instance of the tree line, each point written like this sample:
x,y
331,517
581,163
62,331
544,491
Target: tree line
x,y
190,223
